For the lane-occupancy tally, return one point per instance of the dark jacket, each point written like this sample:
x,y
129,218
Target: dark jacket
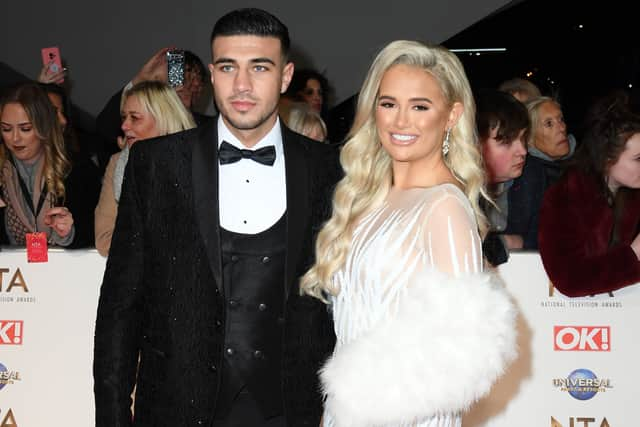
x,y
574,237
162,295
525,199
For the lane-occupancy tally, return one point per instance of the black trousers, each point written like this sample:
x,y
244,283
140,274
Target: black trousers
x,y
245,413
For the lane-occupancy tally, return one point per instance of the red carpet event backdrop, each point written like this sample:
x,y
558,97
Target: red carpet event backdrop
x,y
575,367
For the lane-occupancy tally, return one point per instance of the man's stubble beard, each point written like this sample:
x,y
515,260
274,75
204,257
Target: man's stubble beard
x,y
236,124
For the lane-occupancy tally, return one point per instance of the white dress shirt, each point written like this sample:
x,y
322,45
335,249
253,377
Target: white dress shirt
x,y
252,196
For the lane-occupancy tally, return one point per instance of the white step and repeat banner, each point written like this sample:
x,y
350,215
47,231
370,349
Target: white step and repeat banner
x,y
576,366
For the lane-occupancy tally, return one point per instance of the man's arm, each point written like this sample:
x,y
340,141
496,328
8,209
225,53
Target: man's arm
x,y
119,320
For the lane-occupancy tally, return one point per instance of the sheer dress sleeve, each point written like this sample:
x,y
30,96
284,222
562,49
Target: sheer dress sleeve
x,y
450,233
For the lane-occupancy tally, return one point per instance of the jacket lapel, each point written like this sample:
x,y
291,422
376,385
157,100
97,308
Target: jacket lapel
x,y
205,189
298,215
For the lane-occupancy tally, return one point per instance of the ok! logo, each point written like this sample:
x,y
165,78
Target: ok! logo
x,y
581,338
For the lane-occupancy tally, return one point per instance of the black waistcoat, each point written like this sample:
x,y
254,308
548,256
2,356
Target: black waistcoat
x,y
253,275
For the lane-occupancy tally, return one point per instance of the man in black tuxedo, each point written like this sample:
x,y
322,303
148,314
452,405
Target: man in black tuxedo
x,y
200,307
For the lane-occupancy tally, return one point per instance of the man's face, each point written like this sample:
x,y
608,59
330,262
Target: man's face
x,y
248,75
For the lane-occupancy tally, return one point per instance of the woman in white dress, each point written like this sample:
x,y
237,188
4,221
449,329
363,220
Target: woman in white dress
x,y
421,332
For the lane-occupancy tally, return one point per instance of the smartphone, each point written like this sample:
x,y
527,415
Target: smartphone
x,y
51,57
175,67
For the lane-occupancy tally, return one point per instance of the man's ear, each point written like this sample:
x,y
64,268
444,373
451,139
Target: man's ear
x,y
454,115
287,74
211,72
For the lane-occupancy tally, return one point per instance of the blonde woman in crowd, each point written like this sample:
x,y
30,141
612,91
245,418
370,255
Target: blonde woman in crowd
x,y
421,331
302,119
149,109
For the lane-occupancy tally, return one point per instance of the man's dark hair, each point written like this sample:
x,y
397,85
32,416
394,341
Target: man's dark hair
x,y
496,109
253,22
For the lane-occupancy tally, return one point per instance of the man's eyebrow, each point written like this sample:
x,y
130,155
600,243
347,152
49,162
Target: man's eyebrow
x,y
261,60
224,61
253,61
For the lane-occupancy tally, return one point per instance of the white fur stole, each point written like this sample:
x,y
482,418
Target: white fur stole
x,y
451,339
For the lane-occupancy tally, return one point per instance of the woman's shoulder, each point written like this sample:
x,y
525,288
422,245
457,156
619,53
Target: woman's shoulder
x,y
448,195
439,201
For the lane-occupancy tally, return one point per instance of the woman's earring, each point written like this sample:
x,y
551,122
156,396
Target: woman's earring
x,y
445,144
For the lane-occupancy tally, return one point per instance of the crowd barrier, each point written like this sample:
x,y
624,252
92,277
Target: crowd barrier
x,y
576,366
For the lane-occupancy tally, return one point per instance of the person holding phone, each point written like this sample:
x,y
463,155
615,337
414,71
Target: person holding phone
x,y
52,70
200,309
40,189
155,69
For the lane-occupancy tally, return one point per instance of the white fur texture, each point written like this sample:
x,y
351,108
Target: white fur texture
x,y
452,338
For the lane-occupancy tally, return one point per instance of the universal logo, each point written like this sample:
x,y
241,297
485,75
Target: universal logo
x,y
579,422
582,384
7,376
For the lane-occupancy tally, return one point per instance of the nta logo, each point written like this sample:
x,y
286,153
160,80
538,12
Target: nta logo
x,y
580,422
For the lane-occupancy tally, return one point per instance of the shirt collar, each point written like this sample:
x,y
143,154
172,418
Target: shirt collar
x,y
273,137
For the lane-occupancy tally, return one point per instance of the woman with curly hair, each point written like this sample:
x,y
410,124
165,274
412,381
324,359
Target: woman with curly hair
x,y
400,260
39,188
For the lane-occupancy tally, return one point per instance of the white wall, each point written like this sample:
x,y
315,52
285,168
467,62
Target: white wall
x,y
105,42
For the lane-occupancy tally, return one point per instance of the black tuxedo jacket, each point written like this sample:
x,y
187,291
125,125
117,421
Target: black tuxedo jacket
x,y
162,297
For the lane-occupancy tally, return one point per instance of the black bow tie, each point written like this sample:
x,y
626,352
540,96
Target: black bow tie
x,y
228,153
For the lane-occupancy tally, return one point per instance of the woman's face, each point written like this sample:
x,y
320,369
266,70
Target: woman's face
x,y
503,159
137,122
312,94
412,116
551,133
625,172
56,100
19,134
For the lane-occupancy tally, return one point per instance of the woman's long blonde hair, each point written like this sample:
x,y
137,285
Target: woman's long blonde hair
x,y
44,119
367,166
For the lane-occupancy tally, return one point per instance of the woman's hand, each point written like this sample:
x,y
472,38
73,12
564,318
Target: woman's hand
x,y
513,241
60,220
122,142
48,76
